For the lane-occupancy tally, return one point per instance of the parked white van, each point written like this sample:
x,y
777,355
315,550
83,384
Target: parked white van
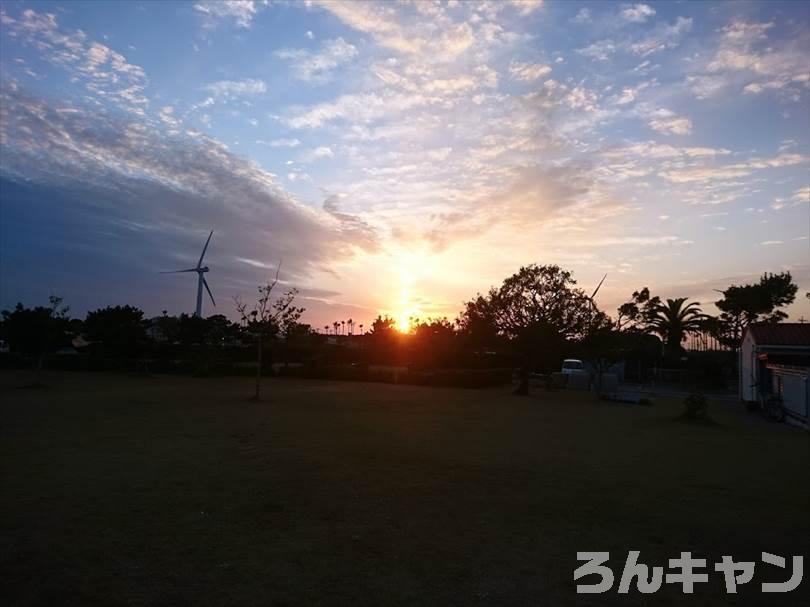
x,y
572,365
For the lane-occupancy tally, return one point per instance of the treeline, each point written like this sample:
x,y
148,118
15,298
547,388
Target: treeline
x,y
533,320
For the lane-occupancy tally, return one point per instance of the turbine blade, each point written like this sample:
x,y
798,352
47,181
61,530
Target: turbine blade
x,y
176,271
205,284
598,287
199,263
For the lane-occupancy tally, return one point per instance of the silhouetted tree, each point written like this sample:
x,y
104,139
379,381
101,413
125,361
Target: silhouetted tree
x,y
637,313
759,302
673,320
383,326
432,341
120,329
267,318
36,332
476,323
532,309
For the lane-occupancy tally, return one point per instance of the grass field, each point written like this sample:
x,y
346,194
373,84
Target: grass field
x,y
124,490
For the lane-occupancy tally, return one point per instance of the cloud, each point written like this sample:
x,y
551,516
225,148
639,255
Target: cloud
x,y
582,16
526,7
666,122
801,195
601,50
378,20
106,74
745,58
662,37
731,171
651,149
630,93
280,143
429,30
239,11
172,186
360,108
637,13
528,72
226,90
318,153
317,67
353,228
798,197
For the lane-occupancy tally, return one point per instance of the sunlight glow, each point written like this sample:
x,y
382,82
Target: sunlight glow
x,y
403,323
407,309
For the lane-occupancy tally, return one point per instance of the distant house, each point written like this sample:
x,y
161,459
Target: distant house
x,y
775,360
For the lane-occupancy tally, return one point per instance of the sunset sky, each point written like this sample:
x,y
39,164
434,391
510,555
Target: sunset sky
x,y
400,156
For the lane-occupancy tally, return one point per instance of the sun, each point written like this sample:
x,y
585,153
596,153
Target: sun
x,y
403,322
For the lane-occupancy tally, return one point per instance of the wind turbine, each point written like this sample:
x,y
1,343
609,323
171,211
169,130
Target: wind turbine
x,y
201,282
590,301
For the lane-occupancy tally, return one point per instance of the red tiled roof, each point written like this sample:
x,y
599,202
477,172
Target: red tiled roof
x,y
781,334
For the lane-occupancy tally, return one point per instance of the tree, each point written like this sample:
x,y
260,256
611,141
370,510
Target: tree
x,y
383,326
759,302
537,306
673,320
637,313
269,317
36,332
120,329
432,342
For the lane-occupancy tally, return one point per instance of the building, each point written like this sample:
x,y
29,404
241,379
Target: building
x,y
775,360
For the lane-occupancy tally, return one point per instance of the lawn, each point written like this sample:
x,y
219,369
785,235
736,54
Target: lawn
x,y
119,490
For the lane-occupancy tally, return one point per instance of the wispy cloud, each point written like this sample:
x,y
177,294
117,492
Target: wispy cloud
x,y
317,67
177,181
528,72
665,121
280,143
231,89
241,12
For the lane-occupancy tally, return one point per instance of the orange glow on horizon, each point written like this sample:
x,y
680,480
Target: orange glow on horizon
x,y
403,323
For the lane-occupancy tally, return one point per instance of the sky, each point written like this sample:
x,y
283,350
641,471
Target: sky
x,y
399,157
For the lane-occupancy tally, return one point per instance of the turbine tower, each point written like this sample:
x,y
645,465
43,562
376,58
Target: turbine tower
x,y
201,282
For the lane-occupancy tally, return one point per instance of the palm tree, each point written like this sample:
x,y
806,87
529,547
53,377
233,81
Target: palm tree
x,y
326,329
673,320
350,322
342,327
336,324
361,328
